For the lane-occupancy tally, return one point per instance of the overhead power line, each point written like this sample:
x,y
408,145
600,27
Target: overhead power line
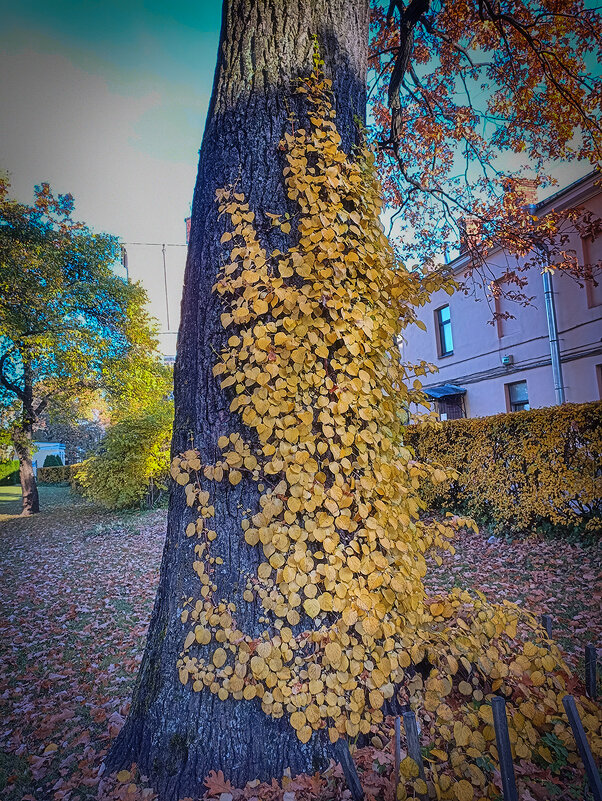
x,y
159,244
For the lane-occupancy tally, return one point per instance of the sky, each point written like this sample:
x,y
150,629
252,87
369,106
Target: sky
x,y
107,100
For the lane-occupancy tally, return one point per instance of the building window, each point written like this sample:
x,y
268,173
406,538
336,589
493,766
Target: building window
x,y
451,407
518,399
448,400
445,342
599,378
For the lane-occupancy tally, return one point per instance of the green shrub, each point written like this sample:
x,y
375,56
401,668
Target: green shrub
x,y
53,461
131,464
9,472
537,470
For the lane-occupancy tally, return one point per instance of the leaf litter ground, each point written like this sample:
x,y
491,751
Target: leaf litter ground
x,y
78,587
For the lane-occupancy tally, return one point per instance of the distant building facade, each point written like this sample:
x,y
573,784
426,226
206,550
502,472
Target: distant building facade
x,y
487,368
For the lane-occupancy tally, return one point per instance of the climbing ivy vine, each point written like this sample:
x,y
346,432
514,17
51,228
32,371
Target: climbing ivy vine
x,y
313,369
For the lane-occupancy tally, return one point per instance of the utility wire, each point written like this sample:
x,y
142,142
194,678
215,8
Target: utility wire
x,y
159,244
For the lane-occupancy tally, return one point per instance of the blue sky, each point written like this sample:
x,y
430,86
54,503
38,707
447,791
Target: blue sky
x,y
107,100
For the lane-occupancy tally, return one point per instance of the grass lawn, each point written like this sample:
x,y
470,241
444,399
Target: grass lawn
x,y
78,587
10,500
51,498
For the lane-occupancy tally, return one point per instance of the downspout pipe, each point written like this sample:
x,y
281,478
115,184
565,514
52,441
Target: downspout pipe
x,y
548,294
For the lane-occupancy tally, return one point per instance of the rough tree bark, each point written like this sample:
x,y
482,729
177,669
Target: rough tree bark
x,y
29,488
22,437
175,735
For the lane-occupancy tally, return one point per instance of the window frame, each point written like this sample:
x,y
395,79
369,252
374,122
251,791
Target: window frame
x,y
439,327
510,404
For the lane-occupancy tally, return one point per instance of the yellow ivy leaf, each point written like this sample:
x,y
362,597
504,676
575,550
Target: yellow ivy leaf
x,y
376,699
332,650
234,477
312,607
409,768
304,734
298,720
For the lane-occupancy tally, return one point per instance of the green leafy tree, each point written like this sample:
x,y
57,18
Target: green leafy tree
x,y
68,325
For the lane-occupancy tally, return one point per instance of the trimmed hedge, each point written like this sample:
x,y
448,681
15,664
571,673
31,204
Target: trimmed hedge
x,y
58,474
532,470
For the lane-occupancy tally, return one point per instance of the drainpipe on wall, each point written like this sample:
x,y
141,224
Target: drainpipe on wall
x,y
548,294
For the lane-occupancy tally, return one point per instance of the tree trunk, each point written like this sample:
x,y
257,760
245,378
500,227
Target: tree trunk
x,y
29,488
175,735
22,440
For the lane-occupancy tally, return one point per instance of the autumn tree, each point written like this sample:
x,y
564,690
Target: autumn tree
x,y
476,104
291,612
69,326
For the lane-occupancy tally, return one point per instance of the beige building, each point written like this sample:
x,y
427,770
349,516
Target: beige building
x,y
548,352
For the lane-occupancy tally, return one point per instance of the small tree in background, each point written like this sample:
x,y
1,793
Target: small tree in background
x,y
68,326
131,464
52,460
79,423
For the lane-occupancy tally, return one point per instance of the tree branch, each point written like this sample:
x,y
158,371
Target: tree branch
x,y
428,26
6,383
408,19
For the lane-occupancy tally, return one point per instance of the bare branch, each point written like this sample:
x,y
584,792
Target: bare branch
x,y
408,19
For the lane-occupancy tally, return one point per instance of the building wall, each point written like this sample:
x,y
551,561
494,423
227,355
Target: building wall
x,y
44,449
479,344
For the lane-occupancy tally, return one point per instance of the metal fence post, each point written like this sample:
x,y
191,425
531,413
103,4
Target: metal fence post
x,y
591,672
502,739
593,777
